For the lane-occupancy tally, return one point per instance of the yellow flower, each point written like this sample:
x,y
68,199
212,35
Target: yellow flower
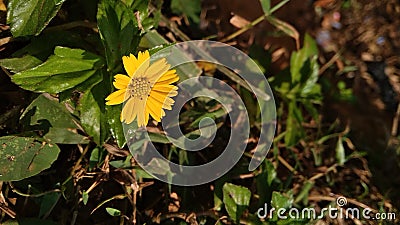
x,y
147,89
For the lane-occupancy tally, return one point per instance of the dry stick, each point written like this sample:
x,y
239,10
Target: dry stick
x,y
330,62
287,165
317,176
172,26
4,206
396,118
233,76
254,22
78,162
245,28
7,210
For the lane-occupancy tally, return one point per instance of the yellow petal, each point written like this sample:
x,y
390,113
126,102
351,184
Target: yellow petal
x,y
165,88
162,97
168,81
116,97
146,115
122,80
140,107
164,105
128,113
170,74
140,71
143,57
130,64
154,108
157,69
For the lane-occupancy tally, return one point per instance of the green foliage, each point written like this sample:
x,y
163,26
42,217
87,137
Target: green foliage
x,y
118,29
22,157
113,212
300,89
52,121
191,8
31,17
66,69
236,199
93,113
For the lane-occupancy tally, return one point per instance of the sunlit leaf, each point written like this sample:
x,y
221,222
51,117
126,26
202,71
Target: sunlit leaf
x,y
118,29
236,199
65,69
93,113
22,157
31,17
113,212
340,152
52,120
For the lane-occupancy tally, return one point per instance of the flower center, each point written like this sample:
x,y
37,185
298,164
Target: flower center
x,y
139,87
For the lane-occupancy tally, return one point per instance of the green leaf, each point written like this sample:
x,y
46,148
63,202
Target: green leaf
x,y
188,70
113,212
52,120
22,157
82,87
303,195
236,199
298,59
191,8
266,6
309,76
285,28
85,197
43,46
340,152
118,29
48,203
264,181
113,114
16,65
93,117
64,70
96,157
280,201
31,17
294,130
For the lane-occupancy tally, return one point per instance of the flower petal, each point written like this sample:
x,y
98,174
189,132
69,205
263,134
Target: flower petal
x,y
128,113
162,97
170,74
157,69
116,97
140,71
122,80
130,64
143,57
154,108
140,107
164,105
165,88
168,81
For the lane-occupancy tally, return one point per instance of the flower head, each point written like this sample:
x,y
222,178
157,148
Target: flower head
x,y
146,90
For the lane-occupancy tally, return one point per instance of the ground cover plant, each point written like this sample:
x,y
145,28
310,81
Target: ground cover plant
x,y
333,67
